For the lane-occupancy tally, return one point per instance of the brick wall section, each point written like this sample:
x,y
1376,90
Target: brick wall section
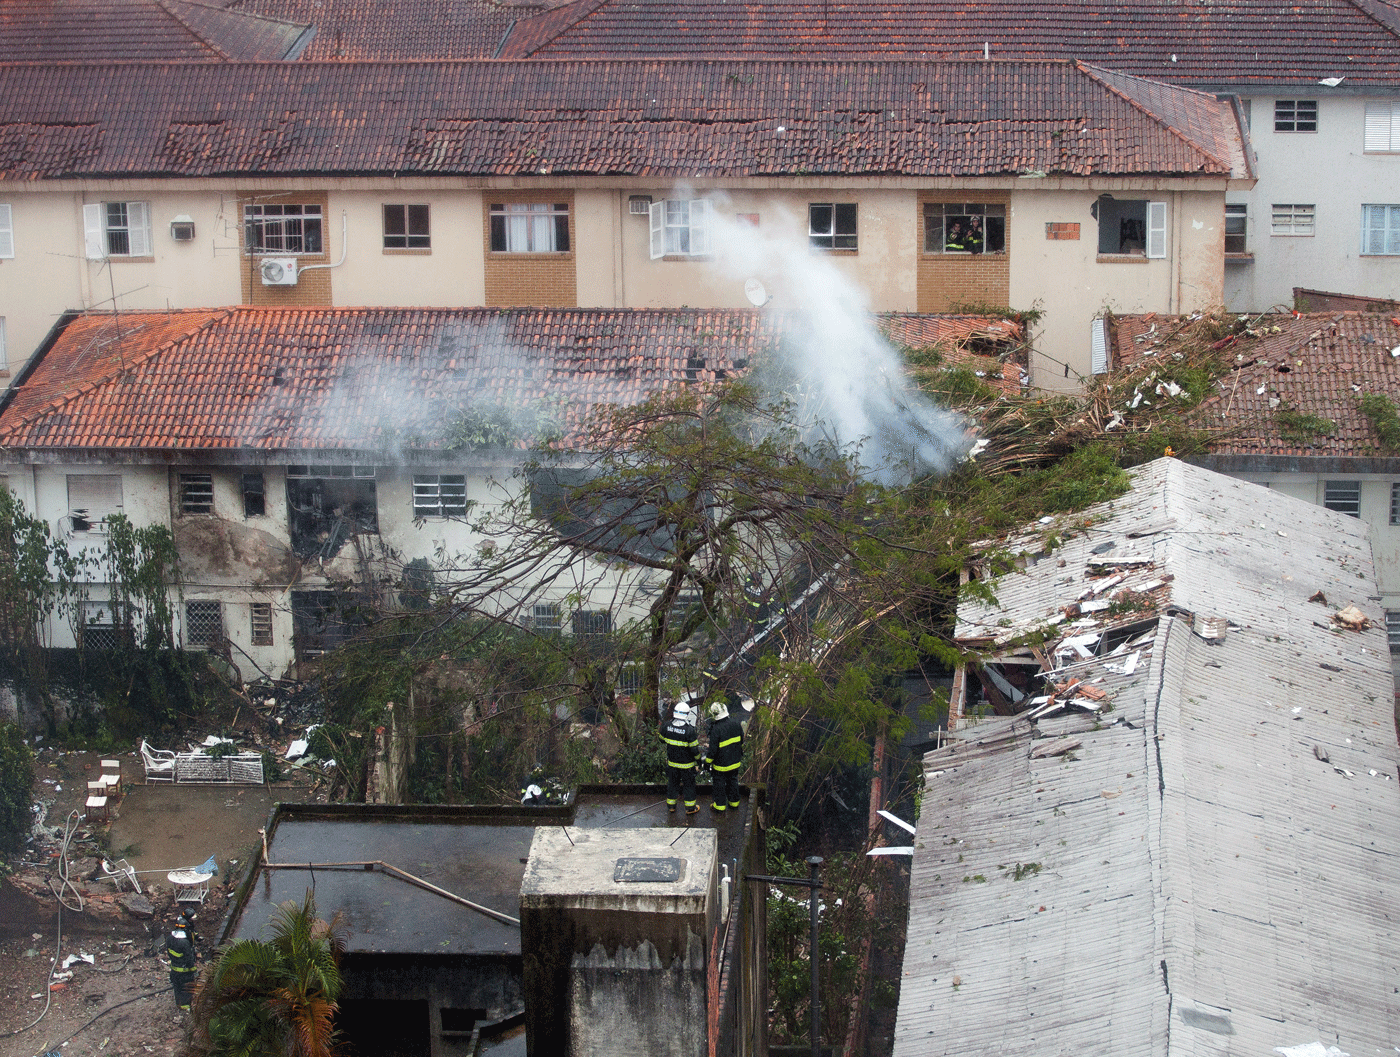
x,y
1057,232
314,288
536,280
945,279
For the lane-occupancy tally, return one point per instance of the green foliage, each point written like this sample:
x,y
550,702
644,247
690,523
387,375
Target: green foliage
x,y
1300,428
16,788
263,998
1380,410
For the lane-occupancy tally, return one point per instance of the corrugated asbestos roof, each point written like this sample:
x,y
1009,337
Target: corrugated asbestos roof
x,y
1223,42
363,378
67,31
1212,870
1318,364
666,120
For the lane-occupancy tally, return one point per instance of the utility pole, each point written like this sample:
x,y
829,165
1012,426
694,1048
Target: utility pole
x,y
813,884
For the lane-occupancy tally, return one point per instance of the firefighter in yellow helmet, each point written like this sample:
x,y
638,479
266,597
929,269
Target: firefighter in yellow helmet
x,y
725,757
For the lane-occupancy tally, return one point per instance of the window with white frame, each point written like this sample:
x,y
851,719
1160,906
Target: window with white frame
x,y
529,227
548,617
964,227
260,620
286,228
591,623
204,622
7,231
196,493
1295,115
406,227
1132,227
1380,230
1382,126
92,499
1392,629
680,227
98,630
1395,503
439,494
1292,219
117,229
1342,496
1236,227
832,225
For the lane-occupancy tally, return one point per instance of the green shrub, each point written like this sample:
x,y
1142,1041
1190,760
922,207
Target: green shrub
x,y
16,784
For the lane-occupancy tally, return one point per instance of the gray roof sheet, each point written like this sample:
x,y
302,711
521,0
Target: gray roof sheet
x,y
1193,877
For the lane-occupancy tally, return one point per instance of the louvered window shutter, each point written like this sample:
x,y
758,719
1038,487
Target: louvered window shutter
x,y
92,232
1156,229
1377,126
658,230
138,218
700,226
1098,345
95,495
7,233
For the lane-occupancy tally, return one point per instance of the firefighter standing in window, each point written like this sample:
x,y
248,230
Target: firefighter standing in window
x,y
954,241
726,754
682,756
180,948
974,240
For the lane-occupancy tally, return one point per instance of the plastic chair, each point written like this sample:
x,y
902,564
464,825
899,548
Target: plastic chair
x,y
121,868
159,763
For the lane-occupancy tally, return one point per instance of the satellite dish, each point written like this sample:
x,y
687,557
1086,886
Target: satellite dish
x,y
756,293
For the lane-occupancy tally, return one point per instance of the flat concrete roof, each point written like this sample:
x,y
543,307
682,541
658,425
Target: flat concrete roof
x,y
603,869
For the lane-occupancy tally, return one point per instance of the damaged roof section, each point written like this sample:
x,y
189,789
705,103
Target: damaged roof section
x,y
1195,858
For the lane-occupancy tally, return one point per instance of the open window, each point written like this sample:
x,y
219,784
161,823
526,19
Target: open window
x,y
680,227
323,620
964,227
92,499
1131,227
615,523
326,505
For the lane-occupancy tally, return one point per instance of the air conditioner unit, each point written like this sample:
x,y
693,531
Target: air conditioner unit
x,y
639,205
278,271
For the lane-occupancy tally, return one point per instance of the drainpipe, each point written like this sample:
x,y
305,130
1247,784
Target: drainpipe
x,y
344,245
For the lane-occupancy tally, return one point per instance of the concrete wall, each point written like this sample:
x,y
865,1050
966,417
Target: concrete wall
x,y
1330,169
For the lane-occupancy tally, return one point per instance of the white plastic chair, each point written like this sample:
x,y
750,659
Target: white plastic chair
x,y
159,763
121,868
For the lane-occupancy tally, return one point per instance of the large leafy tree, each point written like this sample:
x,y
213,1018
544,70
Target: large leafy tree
x,y
278,996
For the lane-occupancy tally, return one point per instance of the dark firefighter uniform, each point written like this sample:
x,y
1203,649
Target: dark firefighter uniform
x,y
726,757
180,948
682,754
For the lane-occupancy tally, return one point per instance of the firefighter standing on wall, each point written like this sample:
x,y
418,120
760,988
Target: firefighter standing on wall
x,y
726,755
180,947
682,756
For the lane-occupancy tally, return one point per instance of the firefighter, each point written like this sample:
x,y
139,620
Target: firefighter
x,y
726,755
682,755
180,947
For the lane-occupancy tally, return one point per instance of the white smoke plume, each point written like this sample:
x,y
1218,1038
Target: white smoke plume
x,y
856,385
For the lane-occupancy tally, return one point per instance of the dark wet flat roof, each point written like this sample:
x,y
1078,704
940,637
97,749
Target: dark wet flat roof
x,y
474,853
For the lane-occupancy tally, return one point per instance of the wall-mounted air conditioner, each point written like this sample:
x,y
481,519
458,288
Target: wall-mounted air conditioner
x,y
278,271
639,205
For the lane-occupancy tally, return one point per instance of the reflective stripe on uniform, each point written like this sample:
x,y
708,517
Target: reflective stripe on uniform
x,y
730,741
680,766
682,744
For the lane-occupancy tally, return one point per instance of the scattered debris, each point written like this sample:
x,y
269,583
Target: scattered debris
x,y
1351,618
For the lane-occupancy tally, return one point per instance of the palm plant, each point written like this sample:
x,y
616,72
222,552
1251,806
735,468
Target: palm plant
x,y
272,997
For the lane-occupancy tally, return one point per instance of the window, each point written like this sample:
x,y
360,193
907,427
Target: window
x,y
92,498
1395,503
1383,126
282,228
99,630
529,227
1295,115
261,620
1236,225
406,228
1132,228
322,620
1292,219
591,623
439,494
832,226
1342,496
680,228
254,495
969,228
117,229
1392,629
7,232
204,623
196,493
327,505
1380,230
547,617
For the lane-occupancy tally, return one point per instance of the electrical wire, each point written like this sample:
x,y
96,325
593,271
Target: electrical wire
x,y
103,1013
70,827
48,984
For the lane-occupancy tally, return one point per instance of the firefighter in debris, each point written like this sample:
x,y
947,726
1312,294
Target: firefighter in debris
x,y
682,756
180,948
726,754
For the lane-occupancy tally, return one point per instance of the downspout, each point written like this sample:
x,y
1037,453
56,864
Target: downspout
x,y
344,245
1176,251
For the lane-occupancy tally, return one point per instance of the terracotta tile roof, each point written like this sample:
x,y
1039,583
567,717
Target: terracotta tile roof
x,y
663,120
1217,43
987,345
361,378
401,29
49,31
1318,364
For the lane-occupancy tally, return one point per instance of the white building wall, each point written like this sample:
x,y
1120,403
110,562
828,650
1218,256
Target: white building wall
x,y
1330,169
